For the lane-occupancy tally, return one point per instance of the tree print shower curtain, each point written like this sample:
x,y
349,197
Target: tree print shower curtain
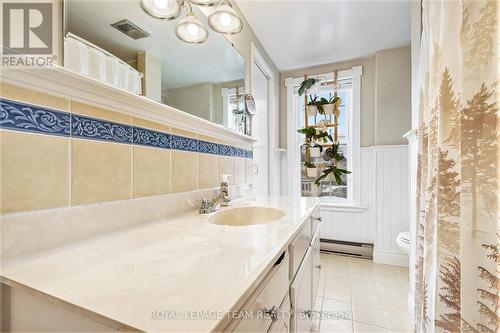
x,y
458,259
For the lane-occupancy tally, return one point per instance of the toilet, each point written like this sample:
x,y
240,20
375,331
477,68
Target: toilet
x,y
403,242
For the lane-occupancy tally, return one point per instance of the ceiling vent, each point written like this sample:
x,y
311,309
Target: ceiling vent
x,y
130,29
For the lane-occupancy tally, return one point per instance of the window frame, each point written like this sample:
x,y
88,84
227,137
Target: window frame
x,y
293,174
227,116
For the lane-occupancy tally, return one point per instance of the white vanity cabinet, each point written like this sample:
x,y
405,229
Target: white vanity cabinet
x,y
287,294
305,272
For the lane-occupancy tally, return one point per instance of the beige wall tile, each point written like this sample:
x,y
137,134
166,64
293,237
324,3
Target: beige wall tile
x,y
239,170
226,167
33,97
34,172
249,171
100,171
150,124
187,134
184,171
97,112
151,171
208,172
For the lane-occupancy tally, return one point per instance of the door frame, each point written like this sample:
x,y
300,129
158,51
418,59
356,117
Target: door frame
x,y
257,58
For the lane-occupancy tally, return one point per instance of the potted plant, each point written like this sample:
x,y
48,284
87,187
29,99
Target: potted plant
x,y
329,106
311,169
311,107
335,154
315,134
315,151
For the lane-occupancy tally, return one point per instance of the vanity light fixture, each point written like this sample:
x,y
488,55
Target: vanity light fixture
x,y
208,3
162,9
224,19
190,29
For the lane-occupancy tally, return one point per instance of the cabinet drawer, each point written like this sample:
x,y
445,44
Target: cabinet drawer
x,y
301,296
316,265
268,296
315,220
298,248
282,324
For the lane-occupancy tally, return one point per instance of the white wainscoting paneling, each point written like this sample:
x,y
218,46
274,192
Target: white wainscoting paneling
x,y
391,203
353,224
383,211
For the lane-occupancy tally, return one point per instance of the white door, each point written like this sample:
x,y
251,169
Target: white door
x,y
260,129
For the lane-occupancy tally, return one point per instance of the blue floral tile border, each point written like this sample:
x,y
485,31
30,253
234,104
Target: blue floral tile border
x,y
92,128
31,118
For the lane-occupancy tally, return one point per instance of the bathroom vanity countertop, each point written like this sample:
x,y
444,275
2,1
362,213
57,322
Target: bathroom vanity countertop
x,y
169,267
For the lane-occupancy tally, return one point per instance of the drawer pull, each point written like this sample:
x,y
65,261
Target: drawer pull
x,y
280,259
318,266
273,313
319,219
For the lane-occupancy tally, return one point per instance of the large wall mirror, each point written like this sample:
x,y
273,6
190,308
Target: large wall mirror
x,y
117,42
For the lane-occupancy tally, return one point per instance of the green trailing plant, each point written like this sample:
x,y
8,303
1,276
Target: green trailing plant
x,y
306,84
309,164
312,134
337,173
335,153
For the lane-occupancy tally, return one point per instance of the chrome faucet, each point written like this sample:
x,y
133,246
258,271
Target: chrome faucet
x,y
214,204
222,199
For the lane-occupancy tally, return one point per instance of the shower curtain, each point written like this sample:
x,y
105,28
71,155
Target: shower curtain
x,y
458,253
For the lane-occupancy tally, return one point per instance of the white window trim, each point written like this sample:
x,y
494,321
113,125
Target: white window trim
x,y
293,177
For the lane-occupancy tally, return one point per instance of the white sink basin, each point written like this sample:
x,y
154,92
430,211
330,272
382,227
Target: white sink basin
x,y
242,216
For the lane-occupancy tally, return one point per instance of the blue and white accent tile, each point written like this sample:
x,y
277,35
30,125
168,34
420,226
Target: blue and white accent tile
x,y
240,152
30,118
208,147
146,137
183,143
25,117
92,128
226,150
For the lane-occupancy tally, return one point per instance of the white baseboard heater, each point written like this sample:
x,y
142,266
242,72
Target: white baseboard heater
x,y
353,249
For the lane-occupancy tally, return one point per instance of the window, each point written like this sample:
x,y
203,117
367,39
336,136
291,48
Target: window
x,y
348,136
232,108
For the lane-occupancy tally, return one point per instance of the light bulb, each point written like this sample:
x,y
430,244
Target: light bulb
x,y
225,19
192,30
162,9
161,4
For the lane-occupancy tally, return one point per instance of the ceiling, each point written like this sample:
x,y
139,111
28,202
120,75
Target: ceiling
x,y
304,33
183,64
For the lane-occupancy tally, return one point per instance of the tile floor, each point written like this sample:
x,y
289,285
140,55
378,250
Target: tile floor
x,y
356,295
